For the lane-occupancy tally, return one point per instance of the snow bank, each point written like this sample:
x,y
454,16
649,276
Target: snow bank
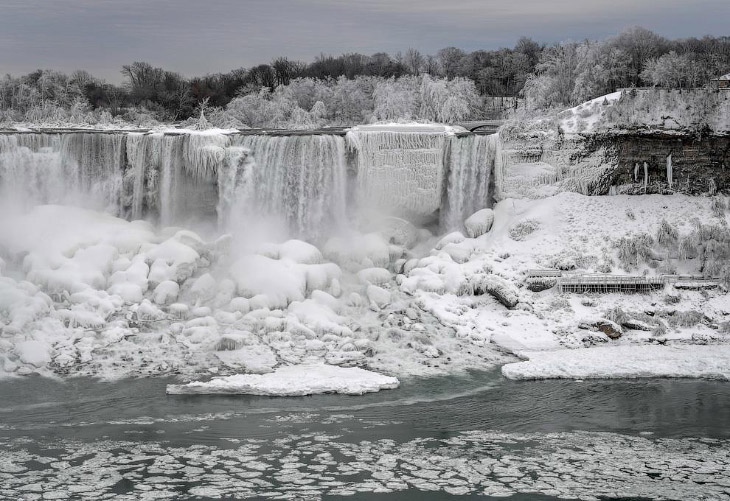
x,y
293,381
585,116
712,362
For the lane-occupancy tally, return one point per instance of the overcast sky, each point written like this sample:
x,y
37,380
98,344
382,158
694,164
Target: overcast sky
x,y
209,36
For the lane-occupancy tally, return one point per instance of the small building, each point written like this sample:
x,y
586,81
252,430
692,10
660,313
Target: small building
x,y
722,82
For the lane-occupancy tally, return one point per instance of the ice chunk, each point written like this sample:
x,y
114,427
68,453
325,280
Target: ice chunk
x,y
293,380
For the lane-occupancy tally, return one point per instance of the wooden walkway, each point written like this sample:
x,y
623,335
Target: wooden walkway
x,y
604,284
599,283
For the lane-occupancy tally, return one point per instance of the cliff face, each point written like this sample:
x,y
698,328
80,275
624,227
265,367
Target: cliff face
x,y
699,165
613,163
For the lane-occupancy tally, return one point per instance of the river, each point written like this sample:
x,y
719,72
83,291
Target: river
x,y
476,435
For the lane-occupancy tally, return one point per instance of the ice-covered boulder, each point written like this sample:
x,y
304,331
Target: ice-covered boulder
x,y
455,237
300,252
374,276
166,292
378,296
479,223
204,288
356,251
279,282
499,288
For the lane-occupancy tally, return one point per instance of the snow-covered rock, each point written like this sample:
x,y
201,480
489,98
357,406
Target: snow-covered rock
x,y
479,223
378,296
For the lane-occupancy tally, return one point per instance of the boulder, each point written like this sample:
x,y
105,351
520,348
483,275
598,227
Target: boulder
x,y
539,284
479,223
609,328
497,287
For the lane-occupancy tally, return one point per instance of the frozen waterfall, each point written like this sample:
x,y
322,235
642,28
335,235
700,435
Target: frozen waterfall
x,y
470,164
308,183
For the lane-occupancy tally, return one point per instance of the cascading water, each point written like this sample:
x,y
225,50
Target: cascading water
x,y
470,162
299,180
81,169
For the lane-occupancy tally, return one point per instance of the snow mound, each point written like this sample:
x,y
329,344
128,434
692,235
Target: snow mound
x,y
290,381
711,362
585,116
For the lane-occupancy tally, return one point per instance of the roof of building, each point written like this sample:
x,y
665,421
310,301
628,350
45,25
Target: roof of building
x,y
724,77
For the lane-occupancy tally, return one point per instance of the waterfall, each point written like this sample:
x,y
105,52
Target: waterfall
x,y
470,162
307,183
299,179
141,177
80,168
171,174
400,173
236,186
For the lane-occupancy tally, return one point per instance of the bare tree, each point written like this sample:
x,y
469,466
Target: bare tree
x,y
414,61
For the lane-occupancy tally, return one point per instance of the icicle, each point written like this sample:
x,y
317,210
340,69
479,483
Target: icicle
x,y
669,170
636,172
204,153
646,176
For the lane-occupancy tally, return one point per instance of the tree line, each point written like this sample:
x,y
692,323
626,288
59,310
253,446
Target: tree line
x,y
543,76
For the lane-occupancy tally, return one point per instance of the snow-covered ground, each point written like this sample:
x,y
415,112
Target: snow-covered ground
x,y
585,116
85,293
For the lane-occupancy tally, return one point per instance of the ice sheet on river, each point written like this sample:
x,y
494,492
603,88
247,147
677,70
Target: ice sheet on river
x,y
711,362
293,381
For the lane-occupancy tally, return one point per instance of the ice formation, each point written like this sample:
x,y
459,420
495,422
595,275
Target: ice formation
x,y
470,164
84,288
293,381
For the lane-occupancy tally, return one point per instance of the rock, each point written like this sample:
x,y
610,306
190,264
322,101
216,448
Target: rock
x,y
378,296
455,237
374,276
499,288
166,292
399,231
204,288
636,325
539,284
609,328
479,223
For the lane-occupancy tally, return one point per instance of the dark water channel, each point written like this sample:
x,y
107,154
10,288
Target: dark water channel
x,y
470,436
